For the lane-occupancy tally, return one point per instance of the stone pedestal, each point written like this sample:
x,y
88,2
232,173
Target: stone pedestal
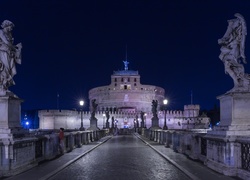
x,y
223,145
93,124
234,115
142,124
107,125
155,123
10,115
10,122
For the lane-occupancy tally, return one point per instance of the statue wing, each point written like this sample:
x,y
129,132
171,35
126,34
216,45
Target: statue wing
x,y
243,35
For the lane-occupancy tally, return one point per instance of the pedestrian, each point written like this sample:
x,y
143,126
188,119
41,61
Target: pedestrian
x,y
61,140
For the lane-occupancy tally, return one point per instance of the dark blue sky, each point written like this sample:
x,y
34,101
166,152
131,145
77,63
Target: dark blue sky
x,y
72,46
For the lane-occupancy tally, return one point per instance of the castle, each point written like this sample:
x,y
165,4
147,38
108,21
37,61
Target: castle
x,y
125,99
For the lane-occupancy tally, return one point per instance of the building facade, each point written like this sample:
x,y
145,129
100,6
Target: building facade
x,y
126,94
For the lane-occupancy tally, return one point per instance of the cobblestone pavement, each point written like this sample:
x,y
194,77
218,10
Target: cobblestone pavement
x,y
123,157
194,169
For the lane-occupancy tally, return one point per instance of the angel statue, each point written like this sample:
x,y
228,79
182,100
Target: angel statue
x,y
232,52
94,107
10,54
154,108
126,65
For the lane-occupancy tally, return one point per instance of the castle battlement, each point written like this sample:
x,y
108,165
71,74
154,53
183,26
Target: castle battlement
x,y
191,106
169,113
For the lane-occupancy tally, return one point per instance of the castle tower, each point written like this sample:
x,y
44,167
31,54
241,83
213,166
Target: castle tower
x,y
126,93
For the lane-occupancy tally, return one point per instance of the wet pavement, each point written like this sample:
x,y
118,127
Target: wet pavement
x,y
122,157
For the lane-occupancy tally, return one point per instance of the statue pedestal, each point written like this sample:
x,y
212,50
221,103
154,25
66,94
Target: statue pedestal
x,y
223,147
93,124
234,114
107,125
10,118
10,114
155,123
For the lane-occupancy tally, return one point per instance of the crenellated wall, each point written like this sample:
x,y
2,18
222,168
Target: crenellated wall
x,y
189,118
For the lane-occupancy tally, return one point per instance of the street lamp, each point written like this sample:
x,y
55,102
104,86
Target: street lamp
x,y
165,102
135,124
81,102
145,115
104,115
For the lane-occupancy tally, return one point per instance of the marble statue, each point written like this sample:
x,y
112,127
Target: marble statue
x,y
232,52
107,116
10,54
142,119
94,107
112,122
142,115
154,108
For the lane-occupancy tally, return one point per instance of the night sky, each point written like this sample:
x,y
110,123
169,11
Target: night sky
x,y
70,47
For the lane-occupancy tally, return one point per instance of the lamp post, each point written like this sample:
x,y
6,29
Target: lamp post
x,y
104,115
116,121
145,116
81,102
165,102
135,124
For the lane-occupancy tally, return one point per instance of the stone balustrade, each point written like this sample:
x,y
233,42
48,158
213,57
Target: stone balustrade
x,y
24,153
197,146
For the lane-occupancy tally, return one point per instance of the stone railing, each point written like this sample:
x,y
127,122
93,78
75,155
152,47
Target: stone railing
x,y
213,152
189,142
25,153
245,156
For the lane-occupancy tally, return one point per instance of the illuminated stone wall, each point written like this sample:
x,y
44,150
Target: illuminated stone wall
x,y
126,93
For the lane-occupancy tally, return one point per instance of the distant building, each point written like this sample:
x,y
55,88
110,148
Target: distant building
x,y
125,98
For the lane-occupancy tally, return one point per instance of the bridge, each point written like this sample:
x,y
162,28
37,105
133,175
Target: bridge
x,y
125,156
